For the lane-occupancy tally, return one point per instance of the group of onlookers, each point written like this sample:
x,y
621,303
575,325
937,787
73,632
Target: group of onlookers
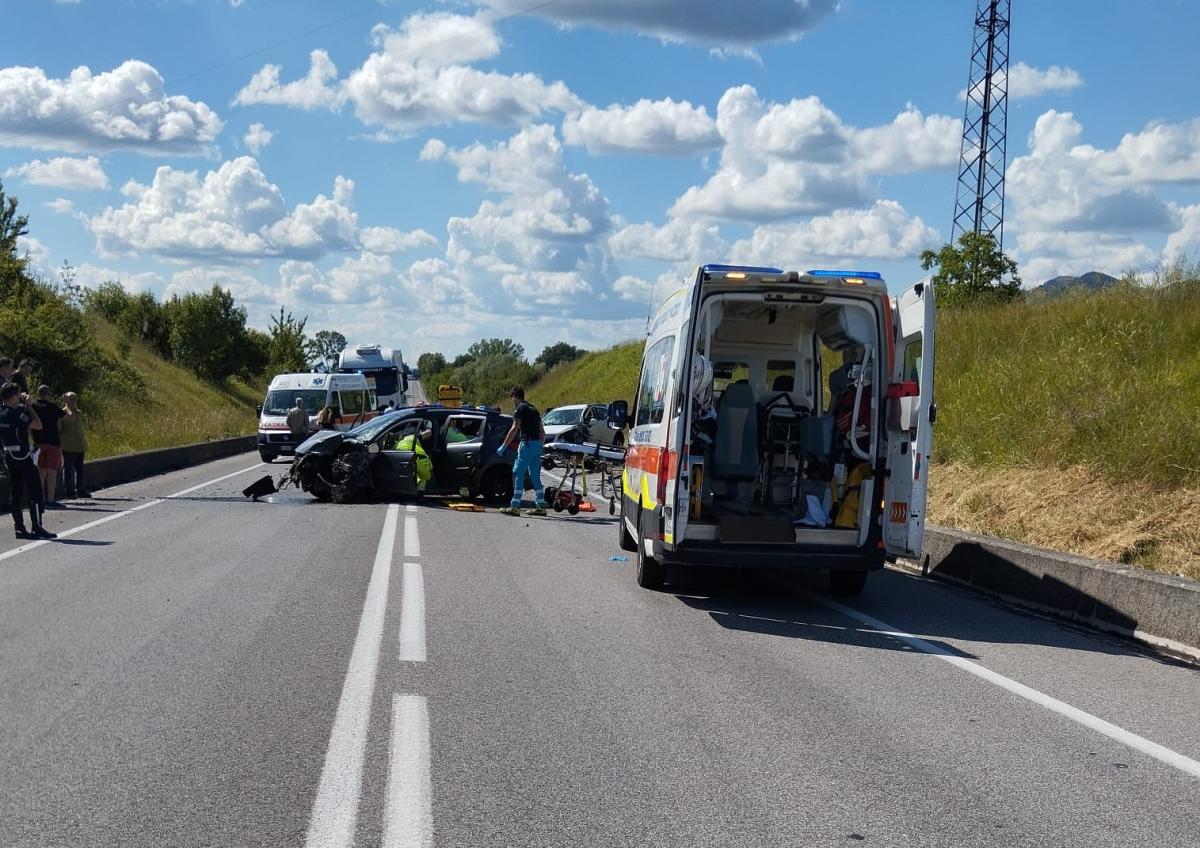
x,y
59,445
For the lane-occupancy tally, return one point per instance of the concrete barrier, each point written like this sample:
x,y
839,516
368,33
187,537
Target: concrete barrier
x,y
101,473
1159,609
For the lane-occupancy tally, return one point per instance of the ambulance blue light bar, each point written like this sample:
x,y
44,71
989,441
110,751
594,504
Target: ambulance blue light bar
x,y
745,269
866,275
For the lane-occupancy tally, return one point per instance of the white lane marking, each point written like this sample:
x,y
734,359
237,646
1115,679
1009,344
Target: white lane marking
x,y
411,508
412,542
199,486
72,531
408,814
1120,734
335,809
412,614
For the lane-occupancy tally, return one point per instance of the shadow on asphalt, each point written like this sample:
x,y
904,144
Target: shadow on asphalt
x,y
779,605
756,602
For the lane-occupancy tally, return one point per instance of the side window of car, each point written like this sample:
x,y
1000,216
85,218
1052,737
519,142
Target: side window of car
x,y
398,433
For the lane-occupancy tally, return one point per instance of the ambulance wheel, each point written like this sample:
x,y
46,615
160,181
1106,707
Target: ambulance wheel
x,y
847,584
651,573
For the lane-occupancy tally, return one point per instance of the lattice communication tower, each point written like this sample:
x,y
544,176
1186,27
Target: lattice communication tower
x,y
979,203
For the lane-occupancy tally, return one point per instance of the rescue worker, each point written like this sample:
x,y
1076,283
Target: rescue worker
x,y
424,465
527,429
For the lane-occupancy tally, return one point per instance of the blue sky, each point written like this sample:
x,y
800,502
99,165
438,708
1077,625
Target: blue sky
x,y
427,173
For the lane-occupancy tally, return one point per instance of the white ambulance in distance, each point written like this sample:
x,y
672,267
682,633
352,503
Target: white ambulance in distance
x,y
347,394
782,420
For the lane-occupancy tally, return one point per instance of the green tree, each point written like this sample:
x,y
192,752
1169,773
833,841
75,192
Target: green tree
x,y
289,346
556,354
145,319
973,272
430,364
326,346
257,354
108,300
495,347
12,225
207,333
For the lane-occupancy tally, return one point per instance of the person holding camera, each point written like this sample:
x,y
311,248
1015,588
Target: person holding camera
x,y
17,418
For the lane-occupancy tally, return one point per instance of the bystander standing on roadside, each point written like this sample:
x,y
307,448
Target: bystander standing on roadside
x,y
23,374
17,418
73,435
297,421
6,370
49,445
325,419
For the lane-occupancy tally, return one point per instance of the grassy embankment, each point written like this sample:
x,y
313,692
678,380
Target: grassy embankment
x,y
180,408
1072,423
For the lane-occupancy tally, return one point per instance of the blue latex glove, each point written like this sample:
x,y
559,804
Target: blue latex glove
x,y
500,451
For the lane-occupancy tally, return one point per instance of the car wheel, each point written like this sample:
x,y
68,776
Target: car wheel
x,y
847,584
351,477
314,476
497,485
651,573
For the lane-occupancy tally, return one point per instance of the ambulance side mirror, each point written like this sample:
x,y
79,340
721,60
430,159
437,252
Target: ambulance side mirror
x,y
618,414
258,410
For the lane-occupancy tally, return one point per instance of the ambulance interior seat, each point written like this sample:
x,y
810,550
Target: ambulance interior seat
x,y
735,450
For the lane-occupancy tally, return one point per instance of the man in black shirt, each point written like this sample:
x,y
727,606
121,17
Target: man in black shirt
x,y
22,374
527,428
17,418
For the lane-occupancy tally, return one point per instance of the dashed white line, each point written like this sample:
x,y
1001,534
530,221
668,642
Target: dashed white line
x,y
335,809
412,614
412,542
73,531
1112,731
408,813
411,508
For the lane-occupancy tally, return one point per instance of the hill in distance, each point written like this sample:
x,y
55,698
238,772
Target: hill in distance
x,y
1091,281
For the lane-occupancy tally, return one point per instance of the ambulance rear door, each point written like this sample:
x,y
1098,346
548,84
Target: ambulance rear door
x,y
910,416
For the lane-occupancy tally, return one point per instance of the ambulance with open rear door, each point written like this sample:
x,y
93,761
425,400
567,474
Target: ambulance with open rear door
x,y
782,420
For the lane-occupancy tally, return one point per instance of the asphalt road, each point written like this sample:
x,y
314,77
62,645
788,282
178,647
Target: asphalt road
x,y
206,671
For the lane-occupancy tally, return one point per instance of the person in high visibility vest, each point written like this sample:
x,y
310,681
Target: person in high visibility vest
x,y
424,465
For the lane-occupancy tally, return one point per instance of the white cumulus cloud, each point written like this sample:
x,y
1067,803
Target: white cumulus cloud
x,y
544,240
62,172
1027,81
663,127
1077,207
318,89
884,232
783,160
232,212
392,240
125,107
257,137
420,74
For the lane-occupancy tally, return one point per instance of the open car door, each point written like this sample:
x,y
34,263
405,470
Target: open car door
x,y
911,413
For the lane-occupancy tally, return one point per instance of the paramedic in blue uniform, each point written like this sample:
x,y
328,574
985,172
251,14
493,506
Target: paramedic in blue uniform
x,y
527,427
17,418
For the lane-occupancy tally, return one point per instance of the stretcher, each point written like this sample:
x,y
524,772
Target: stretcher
x,y
571,493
